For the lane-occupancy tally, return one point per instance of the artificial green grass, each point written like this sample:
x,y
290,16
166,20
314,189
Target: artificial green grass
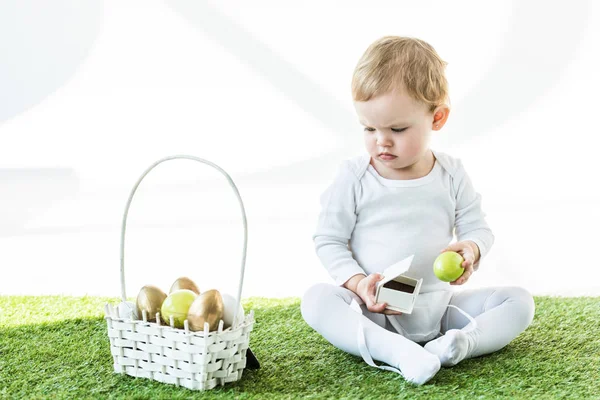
x,y
57,347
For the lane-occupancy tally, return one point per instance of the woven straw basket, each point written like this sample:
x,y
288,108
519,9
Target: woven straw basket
x,y
196,360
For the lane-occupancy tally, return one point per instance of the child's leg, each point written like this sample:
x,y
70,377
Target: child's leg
x,y
326,308
501,313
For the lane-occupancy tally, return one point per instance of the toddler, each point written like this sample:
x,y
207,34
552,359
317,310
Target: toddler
x,y
403,198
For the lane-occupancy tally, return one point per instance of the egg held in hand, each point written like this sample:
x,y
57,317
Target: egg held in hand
x,y
208,307
149,299
184,283
448,266
176,305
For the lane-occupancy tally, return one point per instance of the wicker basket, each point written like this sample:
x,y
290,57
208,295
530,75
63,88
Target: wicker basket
x,y
196,360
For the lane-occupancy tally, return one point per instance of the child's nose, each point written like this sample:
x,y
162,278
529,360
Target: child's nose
x,y
383,139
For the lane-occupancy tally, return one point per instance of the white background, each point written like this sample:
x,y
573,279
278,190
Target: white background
x,y
92,93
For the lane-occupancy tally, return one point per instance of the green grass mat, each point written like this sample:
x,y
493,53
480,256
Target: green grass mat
x,y
58,347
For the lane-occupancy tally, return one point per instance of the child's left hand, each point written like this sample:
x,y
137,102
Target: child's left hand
x,y
470,252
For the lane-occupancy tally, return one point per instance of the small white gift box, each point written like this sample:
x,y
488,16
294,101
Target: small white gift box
x,y
397,290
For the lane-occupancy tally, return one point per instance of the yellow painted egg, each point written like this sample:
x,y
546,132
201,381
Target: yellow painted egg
x,y
177,305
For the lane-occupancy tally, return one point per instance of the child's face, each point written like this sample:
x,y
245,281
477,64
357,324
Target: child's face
x,y
397,132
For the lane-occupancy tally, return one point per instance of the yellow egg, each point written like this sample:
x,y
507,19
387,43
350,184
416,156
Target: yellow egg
x,y
149,299
208,307
177,305
184,283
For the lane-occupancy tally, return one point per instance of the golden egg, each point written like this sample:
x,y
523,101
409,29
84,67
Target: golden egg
x,y
149,299
208,307
184,283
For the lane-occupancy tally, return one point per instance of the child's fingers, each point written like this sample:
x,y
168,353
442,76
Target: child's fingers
x,y
392,312
463,278
377,308
468,262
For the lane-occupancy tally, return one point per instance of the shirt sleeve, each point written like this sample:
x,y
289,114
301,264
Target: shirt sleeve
x,y
470,223
335,226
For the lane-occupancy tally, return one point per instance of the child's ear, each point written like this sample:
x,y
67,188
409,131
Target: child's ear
x,y
440,116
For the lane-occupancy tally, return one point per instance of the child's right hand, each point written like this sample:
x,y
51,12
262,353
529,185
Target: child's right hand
x,y
366,290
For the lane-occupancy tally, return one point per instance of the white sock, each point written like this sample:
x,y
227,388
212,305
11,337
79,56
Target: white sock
x,y
330,310
417,365
451,348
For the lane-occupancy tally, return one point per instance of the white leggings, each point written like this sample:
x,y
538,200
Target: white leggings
x,y
502,313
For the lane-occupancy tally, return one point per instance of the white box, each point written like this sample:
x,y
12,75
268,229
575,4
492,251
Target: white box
x,y
397,290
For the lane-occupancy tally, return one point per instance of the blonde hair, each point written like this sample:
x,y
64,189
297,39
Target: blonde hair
x,y
401,63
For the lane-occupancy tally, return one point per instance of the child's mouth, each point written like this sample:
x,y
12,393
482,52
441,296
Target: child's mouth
x,y
387,157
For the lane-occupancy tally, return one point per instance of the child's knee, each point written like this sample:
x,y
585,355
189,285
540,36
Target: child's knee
x,y
317,300
524,299
309,306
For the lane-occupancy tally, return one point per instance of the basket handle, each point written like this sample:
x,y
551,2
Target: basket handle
x,y
237,193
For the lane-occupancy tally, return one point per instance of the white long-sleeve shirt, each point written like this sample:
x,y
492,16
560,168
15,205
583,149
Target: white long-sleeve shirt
x,y
368,222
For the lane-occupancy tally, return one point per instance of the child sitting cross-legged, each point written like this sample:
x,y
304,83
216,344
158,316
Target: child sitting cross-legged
x,y
403,198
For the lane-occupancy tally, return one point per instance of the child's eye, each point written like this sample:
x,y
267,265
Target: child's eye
x,y
399,130
367,129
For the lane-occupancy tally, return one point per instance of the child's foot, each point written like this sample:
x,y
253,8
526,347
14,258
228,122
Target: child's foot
x,y
420,369
451,348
